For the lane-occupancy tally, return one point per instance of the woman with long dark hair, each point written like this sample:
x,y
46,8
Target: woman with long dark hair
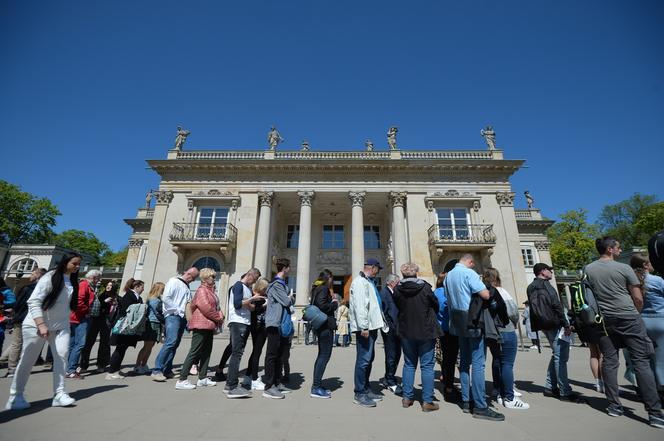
x,y
49,305
132,295
323,298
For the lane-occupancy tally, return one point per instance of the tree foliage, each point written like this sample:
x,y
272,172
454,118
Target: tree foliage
x,y
115,258
650,221
621,220
572,240
24,217
83,242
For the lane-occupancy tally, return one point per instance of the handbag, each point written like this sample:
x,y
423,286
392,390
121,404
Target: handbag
x,y
316,318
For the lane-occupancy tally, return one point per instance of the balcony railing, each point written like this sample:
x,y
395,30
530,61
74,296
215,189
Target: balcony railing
x,y
198,232
466,234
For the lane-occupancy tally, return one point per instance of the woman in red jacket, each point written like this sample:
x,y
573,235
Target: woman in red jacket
x,y
206,318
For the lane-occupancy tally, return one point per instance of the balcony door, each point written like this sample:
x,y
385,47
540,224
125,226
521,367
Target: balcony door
x,y
211,222
453,223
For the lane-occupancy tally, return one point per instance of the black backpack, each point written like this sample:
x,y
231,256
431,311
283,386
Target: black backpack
x,y
656,251
542,317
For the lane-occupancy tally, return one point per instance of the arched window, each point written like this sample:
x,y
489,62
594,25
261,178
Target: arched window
x,y
26,265
207,262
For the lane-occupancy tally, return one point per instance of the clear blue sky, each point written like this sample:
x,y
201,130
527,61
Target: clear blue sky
x,y
89,90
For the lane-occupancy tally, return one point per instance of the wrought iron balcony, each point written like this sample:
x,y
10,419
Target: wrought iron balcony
x,y
198,233
471,236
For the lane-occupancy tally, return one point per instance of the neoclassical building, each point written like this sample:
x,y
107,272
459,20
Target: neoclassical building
x,y
232,210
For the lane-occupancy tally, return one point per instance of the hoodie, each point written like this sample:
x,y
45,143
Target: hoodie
x,y
418,309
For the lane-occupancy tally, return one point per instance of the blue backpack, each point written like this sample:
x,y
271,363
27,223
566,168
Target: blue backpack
x,y
286,327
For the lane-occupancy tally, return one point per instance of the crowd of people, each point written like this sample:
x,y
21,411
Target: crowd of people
x,y
460,318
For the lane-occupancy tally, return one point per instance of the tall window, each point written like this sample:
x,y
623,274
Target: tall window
x,y
333,236
293,236
453,223
212,223
528,258
371,237
142,253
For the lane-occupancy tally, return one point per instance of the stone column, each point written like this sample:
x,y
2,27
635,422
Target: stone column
x,y
261,258
304,249
397,200
357,231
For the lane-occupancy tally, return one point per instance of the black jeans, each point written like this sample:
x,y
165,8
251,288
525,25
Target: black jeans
x,y
450,344
97,326
117,357
276,345
258,337
200,350
630,333
239,335
285,359
325,340
392,345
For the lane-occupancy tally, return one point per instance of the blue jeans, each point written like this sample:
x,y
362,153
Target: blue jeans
x,y
392,355
77,332
173,330
556,374
414,350
472,352
364,348
503,365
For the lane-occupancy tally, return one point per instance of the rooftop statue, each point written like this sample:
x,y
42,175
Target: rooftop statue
x,y
529,199
305,146
148,199
274,138
181,138
392,137
489,136
369,145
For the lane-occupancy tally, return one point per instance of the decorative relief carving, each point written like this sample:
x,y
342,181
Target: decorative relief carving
x,y
542,245
190,204
135,243
371,217
163,196
452,193
430,205
476,206
265,198
333,257
398,198
234,204
505,198
306,197
214,192
357,198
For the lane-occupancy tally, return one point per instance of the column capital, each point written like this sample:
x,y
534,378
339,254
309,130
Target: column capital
x,y
163,196
398,198
306,197
265,198
135,243
542,245
505,198
357,198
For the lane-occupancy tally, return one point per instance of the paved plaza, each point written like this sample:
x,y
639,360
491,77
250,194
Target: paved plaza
x,y
137,408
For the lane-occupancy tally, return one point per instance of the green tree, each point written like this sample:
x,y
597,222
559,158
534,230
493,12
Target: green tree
x,y
115,258
651,220
24,217
621,220
572,240
83,242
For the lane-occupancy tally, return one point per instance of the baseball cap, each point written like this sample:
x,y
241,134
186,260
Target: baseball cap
x,y
373,262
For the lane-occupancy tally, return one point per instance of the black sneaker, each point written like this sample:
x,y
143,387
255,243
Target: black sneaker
x,y
488,414
465,407
614,411
572,397
657,420
219,376
552,393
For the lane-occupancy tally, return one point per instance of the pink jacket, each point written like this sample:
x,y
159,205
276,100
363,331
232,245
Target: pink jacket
x,y
205,309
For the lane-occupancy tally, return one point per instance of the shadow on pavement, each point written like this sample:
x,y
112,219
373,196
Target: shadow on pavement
x,y
295,380
333,383
38,406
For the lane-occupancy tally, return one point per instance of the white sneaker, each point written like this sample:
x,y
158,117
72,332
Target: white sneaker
x,y
599,386
516,404
62,400
17,402
517,393
258,385
184,385
499,399
533,348
114,376
206,382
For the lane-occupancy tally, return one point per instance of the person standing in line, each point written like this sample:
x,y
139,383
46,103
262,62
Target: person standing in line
x,y
176,296
652,288
7,301
342,325
278,304
418,329
460,284
239,325
504,354
55,295
619,297
132,295
391,340
206,317
258,333
20,312
366,318
99,325
153,327
323,298
449,343
79,320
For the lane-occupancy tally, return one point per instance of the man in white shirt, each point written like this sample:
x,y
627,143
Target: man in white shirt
x,y
175,298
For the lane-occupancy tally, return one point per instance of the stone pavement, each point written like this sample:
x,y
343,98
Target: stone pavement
x,y
137,408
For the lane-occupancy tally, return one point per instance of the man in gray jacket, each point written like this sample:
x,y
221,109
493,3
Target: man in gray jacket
x,y
278,303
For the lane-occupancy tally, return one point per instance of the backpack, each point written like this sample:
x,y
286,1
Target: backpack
x,y
134,322
656,251
286,327
542,317
585,309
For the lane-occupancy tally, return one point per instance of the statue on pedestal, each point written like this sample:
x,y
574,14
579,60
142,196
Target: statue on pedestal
x,y
529,199
369,145
305,146
274,138
148,199
181,138
489,136
392,137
